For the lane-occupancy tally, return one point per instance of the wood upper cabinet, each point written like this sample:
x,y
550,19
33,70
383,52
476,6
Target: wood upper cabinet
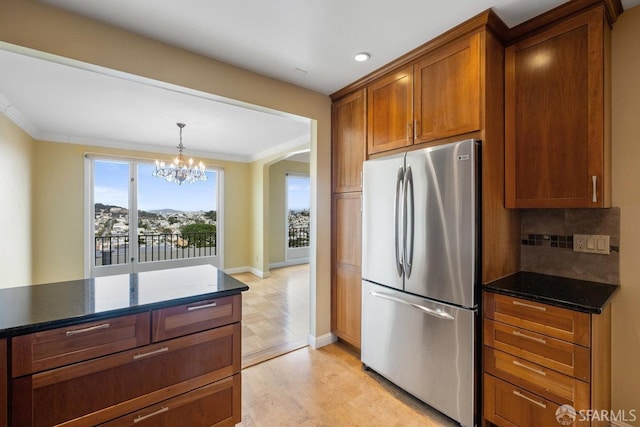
x,y
349,140
557,135
347,253
436,97
447,91
390,112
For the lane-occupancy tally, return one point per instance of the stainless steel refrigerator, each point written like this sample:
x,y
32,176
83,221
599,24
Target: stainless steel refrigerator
x,y
420,274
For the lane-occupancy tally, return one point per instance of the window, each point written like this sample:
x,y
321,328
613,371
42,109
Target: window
x,y
298,200
137,222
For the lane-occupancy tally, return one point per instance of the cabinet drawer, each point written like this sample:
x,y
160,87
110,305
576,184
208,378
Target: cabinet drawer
x,y
561,356
508,405
102,389
558,388
556,322
217,404
186,319
58,347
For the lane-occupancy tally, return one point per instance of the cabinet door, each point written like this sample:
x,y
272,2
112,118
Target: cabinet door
x,y
199,316
3,382
349,139
447,91
347,254
390,112
215,405
556,147
62,346
507,405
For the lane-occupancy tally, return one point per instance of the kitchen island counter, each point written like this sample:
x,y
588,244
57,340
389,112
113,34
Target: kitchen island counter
x,y
28,309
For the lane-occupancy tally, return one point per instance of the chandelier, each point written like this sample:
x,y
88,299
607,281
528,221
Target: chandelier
x,y
179,170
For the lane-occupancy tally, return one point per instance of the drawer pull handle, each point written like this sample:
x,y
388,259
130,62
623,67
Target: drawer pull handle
x,y
151,353
537,371
144,417
519,334
89,329
535,307
535,402
199,307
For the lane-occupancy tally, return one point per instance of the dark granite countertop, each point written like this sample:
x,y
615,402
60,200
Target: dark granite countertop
x,y
579,295
27,309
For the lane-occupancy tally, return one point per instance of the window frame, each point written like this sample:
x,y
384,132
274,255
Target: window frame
x,y
133,265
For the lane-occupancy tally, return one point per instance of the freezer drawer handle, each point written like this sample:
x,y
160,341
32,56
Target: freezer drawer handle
x,y
434,313
520,334
537,371
535,402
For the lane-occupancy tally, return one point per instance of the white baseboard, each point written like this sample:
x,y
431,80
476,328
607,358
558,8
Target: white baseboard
x,y
247,269
289,263
321,341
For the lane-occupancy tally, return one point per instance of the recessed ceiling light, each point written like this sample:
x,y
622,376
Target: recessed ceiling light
x,y
361,57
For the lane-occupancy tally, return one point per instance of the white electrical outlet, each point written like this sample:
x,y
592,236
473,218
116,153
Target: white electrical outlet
x,y
591,243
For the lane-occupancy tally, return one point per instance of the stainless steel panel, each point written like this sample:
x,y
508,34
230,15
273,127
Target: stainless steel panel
x,y
382,239
442,248
424,347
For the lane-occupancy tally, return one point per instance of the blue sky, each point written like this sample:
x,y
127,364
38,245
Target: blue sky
x,y
298,192
111,188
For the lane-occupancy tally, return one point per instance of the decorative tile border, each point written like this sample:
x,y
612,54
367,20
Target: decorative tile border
x,y
553,241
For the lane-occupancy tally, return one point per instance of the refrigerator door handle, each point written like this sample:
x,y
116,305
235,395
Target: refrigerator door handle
x,y
397,224
435,313
409,216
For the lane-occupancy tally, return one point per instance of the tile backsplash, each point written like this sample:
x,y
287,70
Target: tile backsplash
x,y
547,243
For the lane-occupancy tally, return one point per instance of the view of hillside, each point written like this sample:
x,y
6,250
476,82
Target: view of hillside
x,y
114,220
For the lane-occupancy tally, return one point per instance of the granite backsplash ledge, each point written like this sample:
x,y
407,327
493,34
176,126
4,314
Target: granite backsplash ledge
x,y
547,243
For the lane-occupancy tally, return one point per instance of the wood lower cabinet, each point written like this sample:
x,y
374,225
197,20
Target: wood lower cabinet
x,y
346,283
189,372
58,347
557,116
214,405
3,383
538,357
348,141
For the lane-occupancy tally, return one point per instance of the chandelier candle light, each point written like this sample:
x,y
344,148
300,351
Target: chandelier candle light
x,y
180,171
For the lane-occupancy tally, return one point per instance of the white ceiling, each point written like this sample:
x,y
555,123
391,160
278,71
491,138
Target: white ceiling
x,y
309,43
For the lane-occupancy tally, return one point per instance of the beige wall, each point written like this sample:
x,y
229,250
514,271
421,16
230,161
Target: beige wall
x,y
626,195
16,147
277,219
34,25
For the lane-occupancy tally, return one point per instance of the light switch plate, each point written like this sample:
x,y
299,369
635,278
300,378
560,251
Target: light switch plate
x,y
591,243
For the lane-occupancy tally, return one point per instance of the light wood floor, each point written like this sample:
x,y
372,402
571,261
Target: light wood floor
x,y
327,387
275,313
